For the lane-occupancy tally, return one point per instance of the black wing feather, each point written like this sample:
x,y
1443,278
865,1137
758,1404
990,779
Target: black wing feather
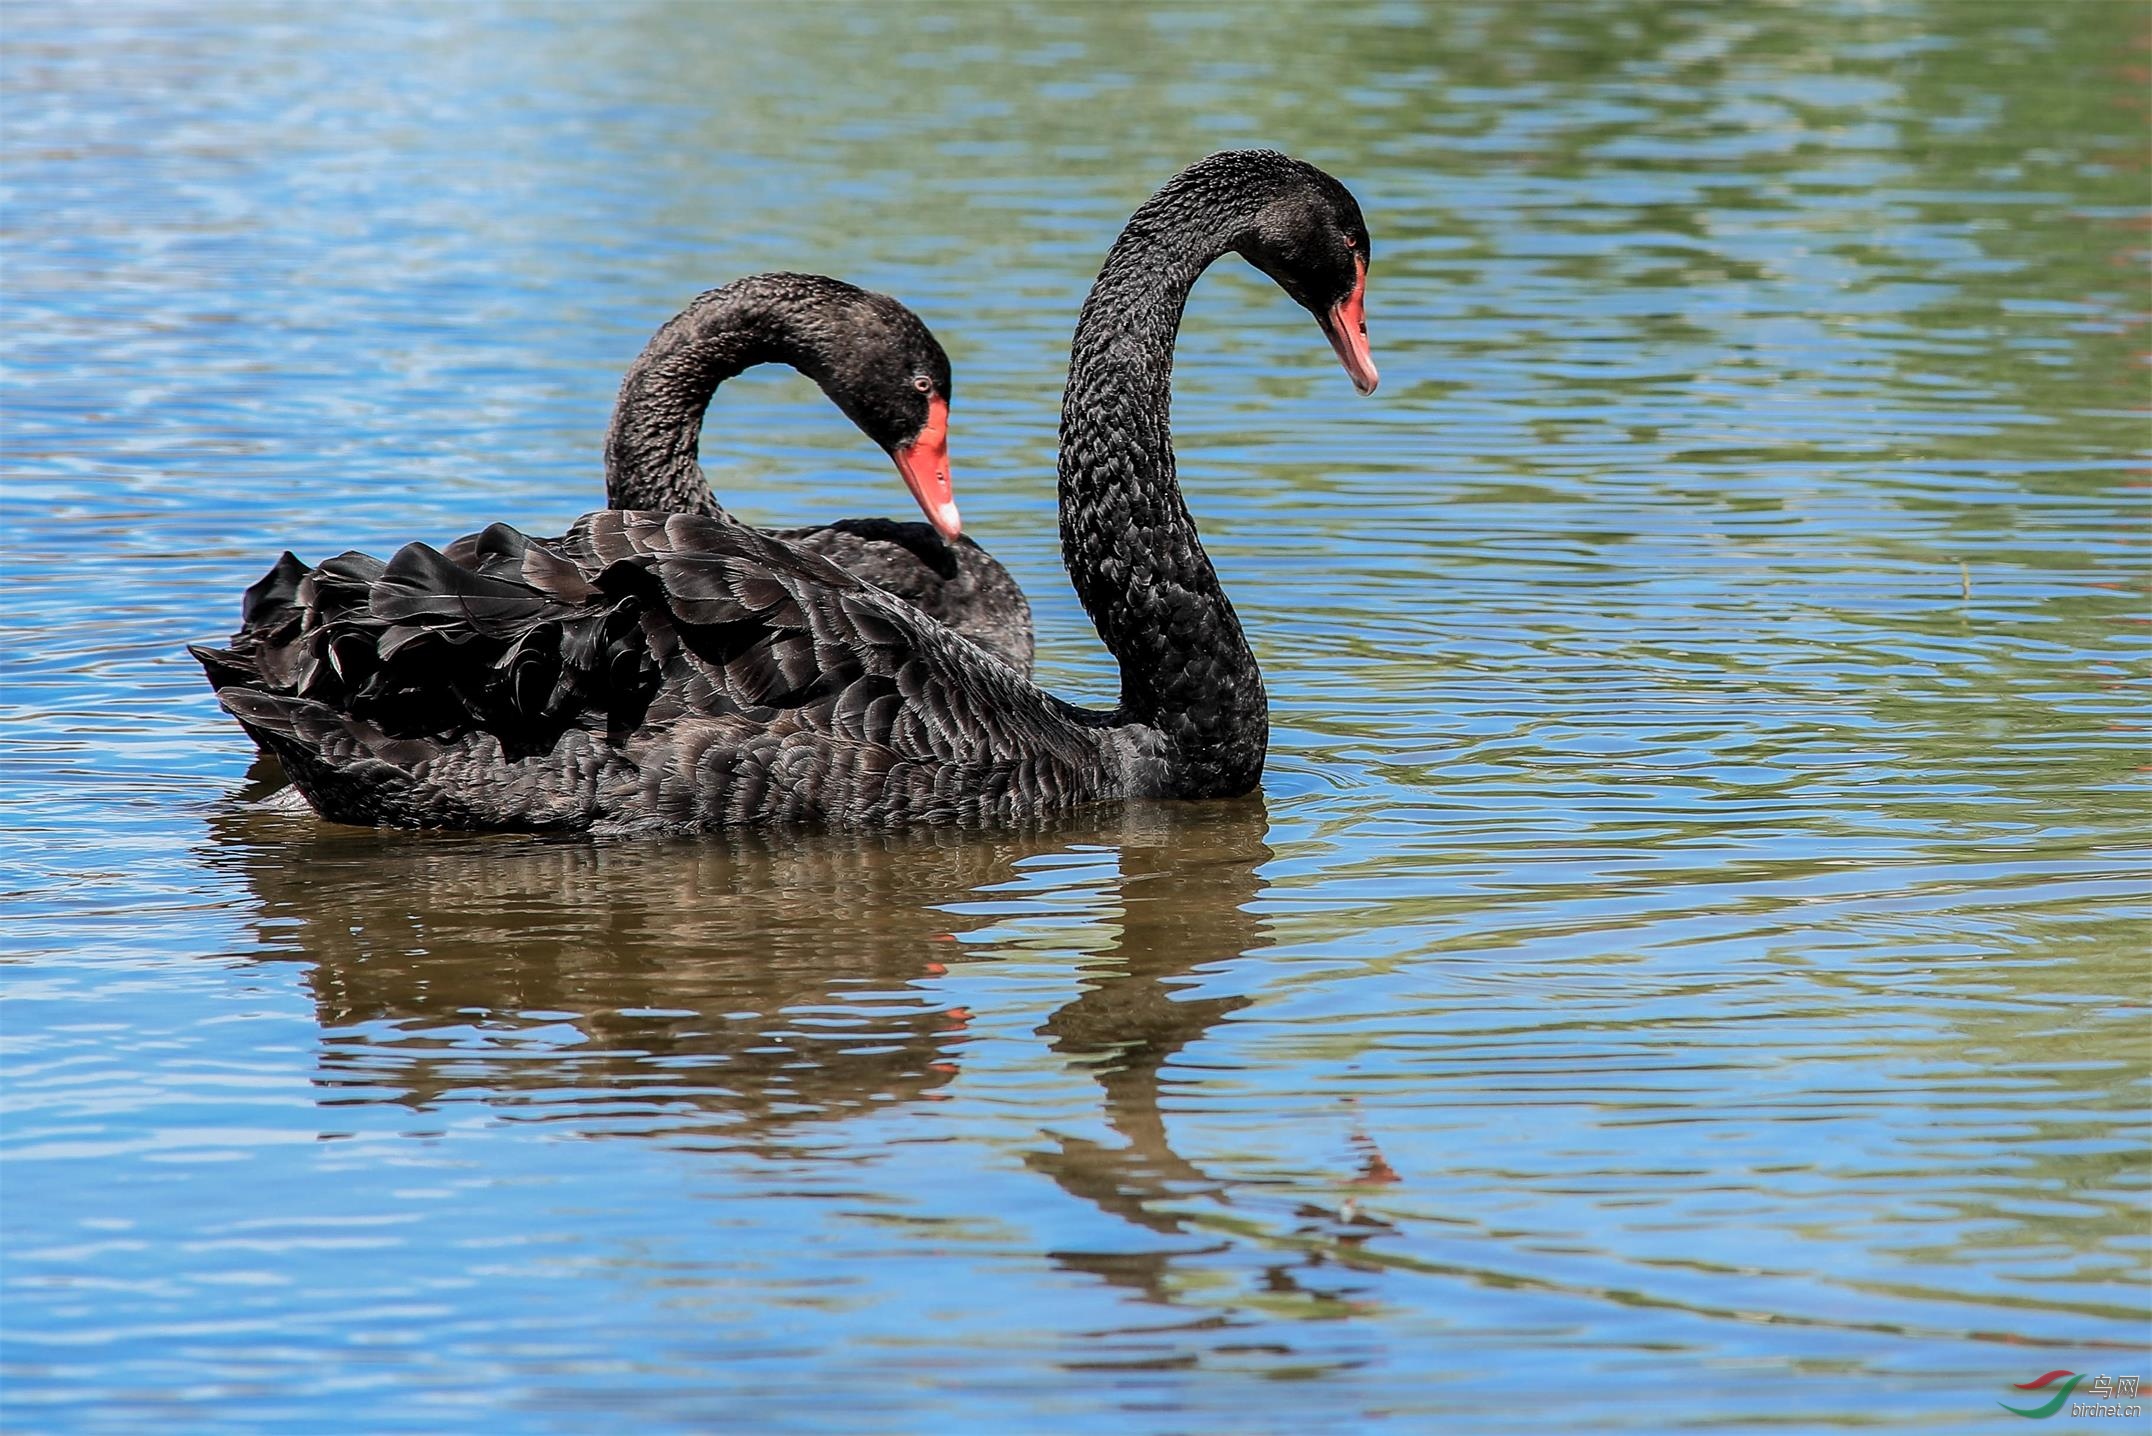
x,y
646,672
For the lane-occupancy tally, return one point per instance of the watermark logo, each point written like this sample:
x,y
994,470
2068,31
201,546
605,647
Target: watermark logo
x,y
2104,1391
2069,1381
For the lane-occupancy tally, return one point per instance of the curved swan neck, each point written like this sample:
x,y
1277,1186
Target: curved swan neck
x,y
656,431
1132,550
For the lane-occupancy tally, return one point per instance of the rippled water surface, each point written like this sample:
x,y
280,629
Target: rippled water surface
x,y
1687,966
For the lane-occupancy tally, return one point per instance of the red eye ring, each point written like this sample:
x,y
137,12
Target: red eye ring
x,y
923,384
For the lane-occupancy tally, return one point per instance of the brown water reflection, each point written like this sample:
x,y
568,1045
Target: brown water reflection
x,y
731,990
1179,909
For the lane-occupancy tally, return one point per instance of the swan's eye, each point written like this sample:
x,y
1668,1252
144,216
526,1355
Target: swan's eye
x,y
1351,243
923,384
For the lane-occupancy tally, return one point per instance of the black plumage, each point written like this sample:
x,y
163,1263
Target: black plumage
x,y
658,672
880,364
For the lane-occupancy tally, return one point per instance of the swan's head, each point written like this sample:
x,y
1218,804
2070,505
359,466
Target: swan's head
x,y
887,372
1310,238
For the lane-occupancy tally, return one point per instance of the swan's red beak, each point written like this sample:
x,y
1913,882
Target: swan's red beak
x,y
924,462
1346,326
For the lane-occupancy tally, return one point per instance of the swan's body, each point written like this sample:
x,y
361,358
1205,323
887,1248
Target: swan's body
x,y
958,584
654,673
814,324
648,673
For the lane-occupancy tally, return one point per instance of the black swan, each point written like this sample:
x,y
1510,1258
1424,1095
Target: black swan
x,y
669,673
874,358
853,343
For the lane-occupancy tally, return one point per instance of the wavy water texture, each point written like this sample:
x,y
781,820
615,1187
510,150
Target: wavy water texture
x,y
1687,969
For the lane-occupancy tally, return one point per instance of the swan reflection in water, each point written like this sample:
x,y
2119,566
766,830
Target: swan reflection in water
x,y
723,994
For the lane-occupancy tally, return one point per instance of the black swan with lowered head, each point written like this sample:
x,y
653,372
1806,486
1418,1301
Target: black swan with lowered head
x,y
851,342
655,673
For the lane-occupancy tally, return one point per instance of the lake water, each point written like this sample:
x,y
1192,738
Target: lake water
x,y
1687,967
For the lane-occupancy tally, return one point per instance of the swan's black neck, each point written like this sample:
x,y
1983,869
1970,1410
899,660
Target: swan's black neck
x,y
651,447
1131,549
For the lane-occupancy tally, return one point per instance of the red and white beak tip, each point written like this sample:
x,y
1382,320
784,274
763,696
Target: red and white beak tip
x,y
924,463
1346,327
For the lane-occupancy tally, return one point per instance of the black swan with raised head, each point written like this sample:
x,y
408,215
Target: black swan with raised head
x,y
851,342
655,673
